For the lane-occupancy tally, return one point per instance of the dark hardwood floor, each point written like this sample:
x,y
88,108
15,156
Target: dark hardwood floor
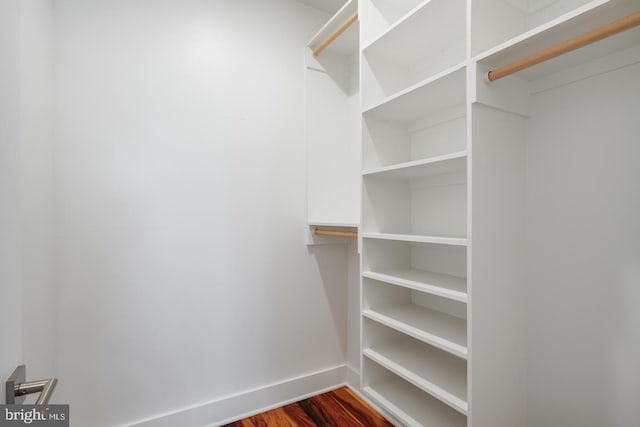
x,y
339,408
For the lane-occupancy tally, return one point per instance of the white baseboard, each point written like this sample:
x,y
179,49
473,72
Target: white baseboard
x,y
232,408
353,378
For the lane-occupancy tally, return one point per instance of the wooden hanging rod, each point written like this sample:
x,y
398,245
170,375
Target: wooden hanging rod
x,y
335,233
353,18
592,36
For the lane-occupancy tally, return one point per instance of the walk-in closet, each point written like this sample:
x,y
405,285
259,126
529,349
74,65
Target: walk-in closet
x,y
358,213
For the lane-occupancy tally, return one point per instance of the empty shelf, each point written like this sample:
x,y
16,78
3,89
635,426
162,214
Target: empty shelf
x,y
442,285
448,333
417,238
412,406
440,92
439,374
449,163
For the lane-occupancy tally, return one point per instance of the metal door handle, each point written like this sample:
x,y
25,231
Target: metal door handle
x,y
17,387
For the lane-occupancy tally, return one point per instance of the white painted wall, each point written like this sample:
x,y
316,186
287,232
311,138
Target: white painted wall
x,y
182,275
25,188
582,252
10,271
36,185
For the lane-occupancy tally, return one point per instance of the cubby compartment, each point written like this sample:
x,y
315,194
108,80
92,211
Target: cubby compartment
x,y
409,404
426,199
379,15
427,41
494,22
439,322
428,121
438,373
435,269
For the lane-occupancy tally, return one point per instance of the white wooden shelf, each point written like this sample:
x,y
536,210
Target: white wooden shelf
x,y
571,24
442,285
429,14
345,224
421,34
441,375
416,238
446,332
347,43
423,44
414,187
311,239
448,163
521,20
389,14
442,91
412,407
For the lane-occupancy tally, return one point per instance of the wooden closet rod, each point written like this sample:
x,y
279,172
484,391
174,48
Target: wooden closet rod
x,y
592,36
336,34
334,233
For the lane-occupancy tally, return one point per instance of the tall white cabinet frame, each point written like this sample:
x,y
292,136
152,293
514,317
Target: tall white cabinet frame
x,y
332,92
449,176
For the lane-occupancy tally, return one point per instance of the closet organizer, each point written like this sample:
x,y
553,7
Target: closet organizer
x,y
332,128
498,213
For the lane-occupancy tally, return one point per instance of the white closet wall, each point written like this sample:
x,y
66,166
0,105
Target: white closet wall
x,y
10,224
583,194
26,252
36,168
180,200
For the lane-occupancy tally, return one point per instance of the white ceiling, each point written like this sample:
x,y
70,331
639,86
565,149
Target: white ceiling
x,y
331,6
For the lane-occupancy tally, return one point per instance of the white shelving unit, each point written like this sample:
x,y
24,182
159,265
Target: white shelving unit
x,y
414,211
460,180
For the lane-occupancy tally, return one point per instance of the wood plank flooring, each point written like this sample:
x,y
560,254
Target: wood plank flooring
x,y
337,408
